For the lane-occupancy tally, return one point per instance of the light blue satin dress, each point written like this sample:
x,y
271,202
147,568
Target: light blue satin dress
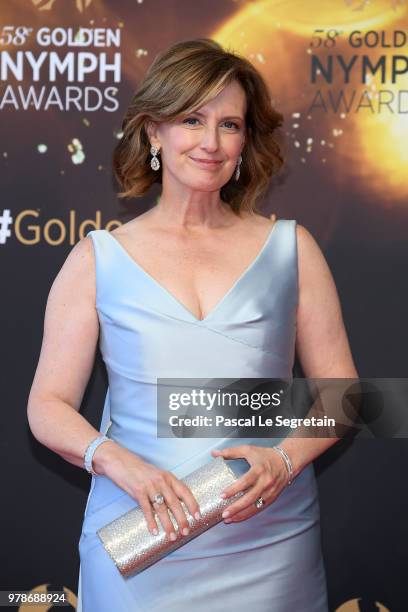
x,y
271,562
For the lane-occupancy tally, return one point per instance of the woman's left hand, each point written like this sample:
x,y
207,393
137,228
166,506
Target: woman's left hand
x,y
266,478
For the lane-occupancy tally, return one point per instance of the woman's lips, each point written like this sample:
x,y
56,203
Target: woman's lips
x,y
204,163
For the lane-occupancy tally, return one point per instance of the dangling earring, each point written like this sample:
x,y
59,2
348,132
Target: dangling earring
x,y
154,162
237,170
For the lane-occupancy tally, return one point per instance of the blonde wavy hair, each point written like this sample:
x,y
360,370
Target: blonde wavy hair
x,y
181,80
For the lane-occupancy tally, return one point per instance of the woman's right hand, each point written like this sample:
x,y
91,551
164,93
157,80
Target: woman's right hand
x,y
142,481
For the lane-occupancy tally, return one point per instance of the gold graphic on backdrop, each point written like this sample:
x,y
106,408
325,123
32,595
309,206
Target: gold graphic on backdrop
x,y
380,151
353,606
43,589
47,5
300,17
360,144
359,5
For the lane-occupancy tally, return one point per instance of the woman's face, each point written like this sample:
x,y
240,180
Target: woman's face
x,y
200,150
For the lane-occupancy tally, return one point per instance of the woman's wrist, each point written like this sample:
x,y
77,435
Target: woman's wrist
x,y
303,451
104,455
287,462
110,455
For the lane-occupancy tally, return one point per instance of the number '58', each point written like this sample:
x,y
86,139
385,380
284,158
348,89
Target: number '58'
x,y
10,35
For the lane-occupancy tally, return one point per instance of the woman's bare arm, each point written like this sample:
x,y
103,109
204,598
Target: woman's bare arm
x,y
66,360
71,330
321,342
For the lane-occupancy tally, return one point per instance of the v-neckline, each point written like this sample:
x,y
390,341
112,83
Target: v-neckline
x,y
222,300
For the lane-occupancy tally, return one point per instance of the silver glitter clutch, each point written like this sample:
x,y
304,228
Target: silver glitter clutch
x,y
133,548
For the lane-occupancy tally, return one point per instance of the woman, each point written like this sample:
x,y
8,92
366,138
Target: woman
x,y
201,285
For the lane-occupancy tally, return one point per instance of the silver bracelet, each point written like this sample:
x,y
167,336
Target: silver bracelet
x,y
89,453
287,461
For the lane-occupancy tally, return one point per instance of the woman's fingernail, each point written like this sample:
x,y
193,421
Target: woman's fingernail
x,y
223,495
225,514
155,531
173,536
197,516
186,531
228,521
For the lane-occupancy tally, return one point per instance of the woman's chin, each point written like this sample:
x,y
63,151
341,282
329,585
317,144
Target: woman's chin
x,y
204,184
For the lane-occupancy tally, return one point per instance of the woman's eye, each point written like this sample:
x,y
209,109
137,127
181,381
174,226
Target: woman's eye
x,y
229,124
233,124
190,119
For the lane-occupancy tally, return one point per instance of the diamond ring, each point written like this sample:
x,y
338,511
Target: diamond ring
x,y
158,498
259,502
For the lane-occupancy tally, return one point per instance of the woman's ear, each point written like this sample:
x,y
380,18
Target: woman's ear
x,y
151,129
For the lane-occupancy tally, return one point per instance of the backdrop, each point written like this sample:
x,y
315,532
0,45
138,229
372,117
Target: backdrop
x,y
338,72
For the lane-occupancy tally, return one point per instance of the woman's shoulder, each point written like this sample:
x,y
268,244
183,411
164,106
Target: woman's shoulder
x,y
75,282
307,245
313,267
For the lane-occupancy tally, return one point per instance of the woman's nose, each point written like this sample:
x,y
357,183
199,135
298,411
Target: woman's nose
x,y
210,139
